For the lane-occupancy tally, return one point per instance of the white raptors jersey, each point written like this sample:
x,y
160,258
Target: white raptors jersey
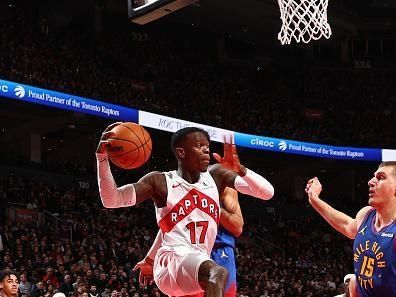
x,y
191,215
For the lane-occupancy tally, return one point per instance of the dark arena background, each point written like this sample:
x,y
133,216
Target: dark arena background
x,y
214,62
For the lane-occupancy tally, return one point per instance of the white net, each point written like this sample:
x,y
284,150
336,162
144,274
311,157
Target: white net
x,y
303,20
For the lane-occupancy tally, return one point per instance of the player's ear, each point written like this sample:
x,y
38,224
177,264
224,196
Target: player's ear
x,y
180,152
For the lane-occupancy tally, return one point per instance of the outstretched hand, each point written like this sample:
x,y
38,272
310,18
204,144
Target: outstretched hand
x,y
146,272
107,133
230,159
313,188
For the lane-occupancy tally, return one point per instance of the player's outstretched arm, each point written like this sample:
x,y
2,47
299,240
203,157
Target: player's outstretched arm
x,y
337,219
110,194
231,214
113,196
233,174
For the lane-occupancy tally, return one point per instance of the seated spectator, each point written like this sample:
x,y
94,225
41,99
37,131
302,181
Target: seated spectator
x,y
25,287
347,279
38,289
93,291
106,293
50,278
76,284
66,287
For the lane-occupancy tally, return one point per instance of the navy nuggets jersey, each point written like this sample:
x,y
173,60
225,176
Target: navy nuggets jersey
x,y
375,258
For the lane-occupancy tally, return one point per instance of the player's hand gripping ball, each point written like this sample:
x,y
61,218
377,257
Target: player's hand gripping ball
x,y
130,146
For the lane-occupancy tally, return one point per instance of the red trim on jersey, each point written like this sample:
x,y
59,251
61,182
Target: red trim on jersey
x,y
192,200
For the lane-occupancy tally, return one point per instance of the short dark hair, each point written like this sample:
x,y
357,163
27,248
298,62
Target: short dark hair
x,y
180,135
389,164
5,273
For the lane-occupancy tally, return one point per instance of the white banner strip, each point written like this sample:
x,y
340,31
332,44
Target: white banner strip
x,y
388,155
164,123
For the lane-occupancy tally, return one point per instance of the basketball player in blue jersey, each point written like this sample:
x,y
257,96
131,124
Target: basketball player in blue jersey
x,y
373,230
231,226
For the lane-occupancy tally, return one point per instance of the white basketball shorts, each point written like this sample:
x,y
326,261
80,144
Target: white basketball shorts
x,y
176,272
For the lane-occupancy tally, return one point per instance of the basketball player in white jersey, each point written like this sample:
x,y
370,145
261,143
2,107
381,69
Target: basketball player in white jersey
x,y
187,208
231,226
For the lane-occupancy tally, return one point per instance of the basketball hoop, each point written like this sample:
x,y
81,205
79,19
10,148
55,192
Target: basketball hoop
x,y
303,20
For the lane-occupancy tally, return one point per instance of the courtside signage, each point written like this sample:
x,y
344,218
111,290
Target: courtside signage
x,y
170,124
65,101
307,148
26,93
388,155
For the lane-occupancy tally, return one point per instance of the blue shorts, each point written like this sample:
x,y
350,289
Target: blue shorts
x,y
224,256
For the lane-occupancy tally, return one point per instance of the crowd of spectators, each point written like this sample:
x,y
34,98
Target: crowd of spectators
x,y
182,78
79,244
89,251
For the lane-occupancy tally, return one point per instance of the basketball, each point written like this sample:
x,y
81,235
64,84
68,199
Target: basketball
x,y
130,146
